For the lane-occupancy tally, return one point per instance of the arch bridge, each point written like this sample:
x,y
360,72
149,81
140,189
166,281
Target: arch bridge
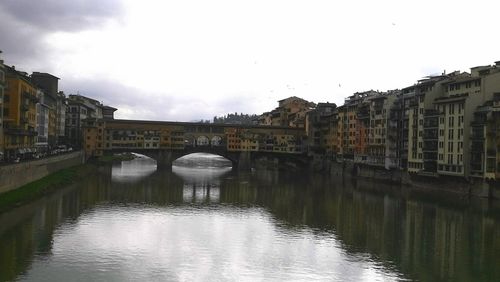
x,y
166,141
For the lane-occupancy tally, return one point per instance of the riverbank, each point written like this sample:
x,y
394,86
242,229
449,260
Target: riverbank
x,y
436,184
44,186
13,176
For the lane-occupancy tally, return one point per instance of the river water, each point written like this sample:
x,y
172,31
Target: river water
x,y
201,221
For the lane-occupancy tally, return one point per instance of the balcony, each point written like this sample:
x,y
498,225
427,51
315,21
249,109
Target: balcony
x,y
431,113
430,157
430,147
19,131
476,167
31,98
363,115
477,149
492,132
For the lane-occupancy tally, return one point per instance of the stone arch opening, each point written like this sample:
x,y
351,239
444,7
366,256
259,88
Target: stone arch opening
x,y
202,141
189,140
216,141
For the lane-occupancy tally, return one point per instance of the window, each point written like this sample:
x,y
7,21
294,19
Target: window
x,y
450,147
450,121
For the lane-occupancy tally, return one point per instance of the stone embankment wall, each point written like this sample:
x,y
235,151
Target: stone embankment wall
x,y
475,187
13,176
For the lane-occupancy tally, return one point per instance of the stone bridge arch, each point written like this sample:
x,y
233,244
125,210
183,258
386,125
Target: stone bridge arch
x,y
238,159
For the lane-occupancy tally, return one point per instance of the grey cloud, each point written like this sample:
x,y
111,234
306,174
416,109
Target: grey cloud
x,y
145,105
19,43
62,15
25,23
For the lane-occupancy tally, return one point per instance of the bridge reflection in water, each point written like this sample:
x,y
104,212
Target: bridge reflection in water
x,y
133,170
202,175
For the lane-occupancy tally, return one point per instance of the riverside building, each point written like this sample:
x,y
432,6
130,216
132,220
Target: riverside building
x,y
19,114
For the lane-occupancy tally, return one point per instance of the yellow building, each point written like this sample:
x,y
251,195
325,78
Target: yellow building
x,y
290,112
19,114
233,139
378,143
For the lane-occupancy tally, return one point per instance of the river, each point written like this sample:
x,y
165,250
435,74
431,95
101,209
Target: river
x,y
202,221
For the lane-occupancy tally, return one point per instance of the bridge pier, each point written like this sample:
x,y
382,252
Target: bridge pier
x,y
164,158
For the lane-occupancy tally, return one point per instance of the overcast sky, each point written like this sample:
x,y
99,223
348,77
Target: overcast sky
x,y
188,60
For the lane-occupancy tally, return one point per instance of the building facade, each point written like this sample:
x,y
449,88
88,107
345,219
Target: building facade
x,y
19,114
290,112
78,109
61,105
49,84
42,123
